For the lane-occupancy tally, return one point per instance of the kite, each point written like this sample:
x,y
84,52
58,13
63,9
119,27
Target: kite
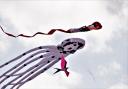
x,y
94,26
36,61
63,66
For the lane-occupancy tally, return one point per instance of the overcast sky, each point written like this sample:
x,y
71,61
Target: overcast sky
x,y
105,54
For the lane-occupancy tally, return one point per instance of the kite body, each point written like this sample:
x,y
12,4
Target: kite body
x,y
34,62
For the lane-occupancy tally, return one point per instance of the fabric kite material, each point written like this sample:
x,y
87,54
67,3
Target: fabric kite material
x,y
36,61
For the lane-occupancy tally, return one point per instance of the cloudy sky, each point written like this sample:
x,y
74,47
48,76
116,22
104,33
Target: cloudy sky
x,y
102,64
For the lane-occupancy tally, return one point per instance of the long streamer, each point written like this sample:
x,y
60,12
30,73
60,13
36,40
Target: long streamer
x,y
41,33
94,26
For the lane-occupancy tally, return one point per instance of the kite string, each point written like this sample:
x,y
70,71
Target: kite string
x,y
90,72
41,33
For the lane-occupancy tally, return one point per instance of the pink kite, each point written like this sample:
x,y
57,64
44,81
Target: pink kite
x,y
63,66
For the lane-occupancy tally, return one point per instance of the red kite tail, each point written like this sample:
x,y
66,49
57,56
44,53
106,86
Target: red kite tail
x,y
52,31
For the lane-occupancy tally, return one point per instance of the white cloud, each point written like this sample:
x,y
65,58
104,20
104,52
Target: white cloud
x,y
3,47
119,86
43,81
71,82
65,14
115,66
107,69
58,81
4,44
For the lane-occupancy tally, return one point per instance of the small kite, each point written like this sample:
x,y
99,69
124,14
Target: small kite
x,y
94,26
34,62
63,66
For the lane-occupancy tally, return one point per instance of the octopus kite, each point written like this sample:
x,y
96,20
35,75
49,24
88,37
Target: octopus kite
x,y
36,61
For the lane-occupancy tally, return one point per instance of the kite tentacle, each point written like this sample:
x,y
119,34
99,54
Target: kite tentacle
x,y
29,51
34,54
22,66
31,56
20,75
39,72
31,70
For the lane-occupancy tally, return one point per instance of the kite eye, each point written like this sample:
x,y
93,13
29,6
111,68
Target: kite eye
x,y
75,44
69,48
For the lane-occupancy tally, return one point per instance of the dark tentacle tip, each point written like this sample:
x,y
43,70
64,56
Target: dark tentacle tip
x,y
29,79
47,51
45,68
24,54
53,56
6,63
48,61
24,64
36,65
40,47
41,56
31,56
32,72
8,76
4,87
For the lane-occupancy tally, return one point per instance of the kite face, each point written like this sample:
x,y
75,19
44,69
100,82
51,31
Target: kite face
x,y
70,46
36,61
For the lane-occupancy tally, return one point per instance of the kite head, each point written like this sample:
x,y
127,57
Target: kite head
x,y
71,45
95,26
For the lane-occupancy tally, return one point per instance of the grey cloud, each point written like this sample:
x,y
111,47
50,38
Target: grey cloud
x,y
115,6
119,46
